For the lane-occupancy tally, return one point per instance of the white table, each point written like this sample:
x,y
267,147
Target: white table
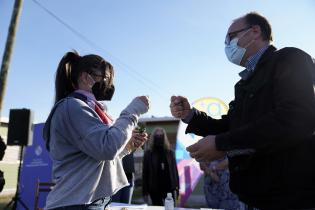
x,y
122,206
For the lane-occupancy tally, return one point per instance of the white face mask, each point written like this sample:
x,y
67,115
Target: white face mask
x,y
234,52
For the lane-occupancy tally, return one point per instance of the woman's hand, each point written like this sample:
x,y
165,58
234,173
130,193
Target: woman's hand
x,y
145,100
212,171
222,165
138,139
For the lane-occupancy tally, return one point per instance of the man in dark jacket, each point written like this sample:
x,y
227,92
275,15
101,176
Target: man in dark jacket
x,y
267,133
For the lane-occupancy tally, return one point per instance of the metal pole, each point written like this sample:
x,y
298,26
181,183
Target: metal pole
x,y
9,48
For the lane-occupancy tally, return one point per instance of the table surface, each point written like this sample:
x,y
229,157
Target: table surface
x,y
121,206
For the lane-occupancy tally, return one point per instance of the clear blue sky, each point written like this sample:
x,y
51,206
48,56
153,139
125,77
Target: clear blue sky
x,y
158,48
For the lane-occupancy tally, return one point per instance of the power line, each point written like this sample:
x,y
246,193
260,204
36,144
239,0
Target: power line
x,y
136,75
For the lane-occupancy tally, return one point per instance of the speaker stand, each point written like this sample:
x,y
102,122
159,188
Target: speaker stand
x,y
17,197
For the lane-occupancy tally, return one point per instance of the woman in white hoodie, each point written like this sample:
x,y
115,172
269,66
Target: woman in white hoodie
x,y
85,144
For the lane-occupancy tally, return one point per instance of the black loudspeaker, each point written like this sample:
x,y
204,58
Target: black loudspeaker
x,y
20,130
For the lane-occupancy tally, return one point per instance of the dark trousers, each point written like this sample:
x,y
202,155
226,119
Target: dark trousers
x,y
124,195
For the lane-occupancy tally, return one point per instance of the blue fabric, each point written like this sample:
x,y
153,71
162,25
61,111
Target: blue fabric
x,y
253,60
251,63
218,194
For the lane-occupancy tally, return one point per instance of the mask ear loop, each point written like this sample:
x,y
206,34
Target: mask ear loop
x,y
92,80
251,42
248,44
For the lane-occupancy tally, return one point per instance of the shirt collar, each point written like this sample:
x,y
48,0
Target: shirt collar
x,y
253,60
91,100
251,63
90,96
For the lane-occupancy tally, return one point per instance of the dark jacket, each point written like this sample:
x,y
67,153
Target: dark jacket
x,y
150,174
274,113
129,166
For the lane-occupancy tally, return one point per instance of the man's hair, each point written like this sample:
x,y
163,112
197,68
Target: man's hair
x,y
253,18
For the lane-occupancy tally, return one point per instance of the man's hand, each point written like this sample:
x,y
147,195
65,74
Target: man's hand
x,y
205,150
180,107
213,173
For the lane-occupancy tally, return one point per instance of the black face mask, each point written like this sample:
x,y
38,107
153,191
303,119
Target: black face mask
x,y
101,92
158,141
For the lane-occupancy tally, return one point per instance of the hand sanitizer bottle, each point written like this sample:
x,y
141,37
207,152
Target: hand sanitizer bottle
x,y
169,202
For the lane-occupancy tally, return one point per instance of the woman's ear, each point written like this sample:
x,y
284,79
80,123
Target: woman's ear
x,y
85,80
82,78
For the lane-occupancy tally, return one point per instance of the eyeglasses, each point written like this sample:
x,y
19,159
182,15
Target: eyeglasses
x,y
99,77
233,34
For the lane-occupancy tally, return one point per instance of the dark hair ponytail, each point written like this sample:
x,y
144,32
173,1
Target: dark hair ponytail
x,y
70,68
65,83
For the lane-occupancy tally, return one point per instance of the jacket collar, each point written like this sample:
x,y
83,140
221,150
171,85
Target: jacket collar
x,y
265,57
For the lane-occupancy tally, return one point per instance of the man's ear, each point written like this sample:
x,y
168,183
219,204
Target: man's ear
x,y
256,31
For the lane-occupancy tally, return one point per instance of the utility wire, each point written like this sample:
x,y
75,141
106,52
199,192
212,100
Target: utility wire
x,y
140,78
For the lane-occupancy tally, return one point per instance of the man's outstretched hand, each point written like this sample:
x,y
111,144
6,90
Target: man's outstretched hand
x,y
205,150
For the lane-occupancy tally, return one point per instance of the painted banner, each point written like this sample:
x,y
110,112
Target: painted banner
x,y
36,165
188,168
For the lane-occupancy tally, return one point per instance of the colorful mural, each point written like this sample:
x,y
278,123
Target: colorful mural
x,y
188,168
